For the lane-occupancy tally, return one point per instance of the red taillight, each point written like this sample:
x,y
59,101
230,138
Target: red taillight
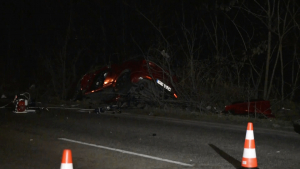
x,y
175,95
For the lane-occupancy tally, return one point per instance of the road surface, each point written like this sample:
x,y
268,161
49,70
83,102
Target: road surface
x,y
127,141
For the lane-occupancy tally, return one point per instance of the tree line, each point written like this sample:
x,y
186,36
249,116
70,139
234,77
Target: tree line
x,y
221,51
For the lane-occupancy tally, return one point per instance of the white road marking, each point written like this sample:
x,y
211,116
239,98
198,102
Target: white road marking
x,y
127,152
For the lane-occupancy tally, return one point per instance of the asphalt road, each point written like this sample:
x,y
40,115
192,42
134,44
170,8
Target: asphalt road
x,y
127,141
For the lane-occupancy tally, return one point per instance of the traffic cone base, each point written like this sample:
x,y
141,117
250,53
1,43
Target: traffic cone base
x,y
248,168
66,166
66,161
249,162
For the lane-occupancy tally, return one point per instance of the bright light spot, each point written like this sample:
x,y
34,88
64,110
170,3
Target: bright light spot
x,y
175,95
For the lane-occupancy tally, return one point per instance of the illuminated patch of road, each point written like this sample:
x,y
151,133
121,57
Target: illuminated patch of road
x,y
127,152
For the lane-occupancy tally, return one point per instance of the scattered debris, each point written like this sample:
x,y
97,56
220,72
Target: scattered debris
x,y
260,108
75,105
3,96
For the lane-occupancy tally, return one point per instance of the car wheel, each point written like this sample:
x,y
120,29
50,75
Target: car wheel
x,y
145,88
123,84
148,91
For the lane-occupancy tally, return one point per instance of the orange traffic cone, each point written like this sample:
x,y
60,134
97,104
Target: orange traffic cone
x,y
249,156
66,161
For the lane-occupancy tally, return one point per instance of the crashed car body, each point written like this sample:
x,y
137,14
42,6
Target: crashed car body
x,y
134,77
261,108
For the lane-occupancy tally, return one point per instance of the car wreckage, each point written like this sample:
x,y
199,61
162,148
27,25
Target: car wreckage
x,y
136,79
257,108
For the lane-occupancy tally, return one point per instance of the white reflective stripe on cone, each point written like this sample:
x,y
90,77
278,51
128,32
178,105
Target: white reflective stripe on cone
x,y
249,153
250,135
66,166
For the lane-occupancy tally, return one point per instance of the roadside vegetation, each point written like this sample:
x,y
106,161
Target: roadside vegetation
x,y
221,52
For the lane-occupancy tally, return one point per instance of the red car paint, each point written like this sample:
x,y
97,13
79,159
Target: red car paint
x,y
138,69
260,107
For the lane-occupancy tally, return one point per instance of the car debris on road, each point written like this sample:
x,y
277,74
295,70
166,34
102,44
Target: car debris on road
x,y
259,107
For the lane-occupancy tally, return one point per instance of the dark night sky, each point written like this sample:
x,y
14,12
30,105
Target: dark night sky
x,y
111,30
29,23
107,30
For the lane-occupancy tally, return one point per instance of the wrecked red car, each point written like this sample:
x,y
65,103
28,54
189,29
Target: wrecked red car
x,y
139,78
257,108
